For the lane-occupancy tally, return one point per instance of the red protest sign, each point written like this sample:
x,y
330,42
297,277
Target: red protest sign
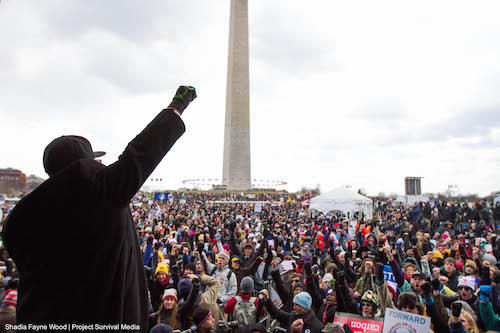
x,y
359,324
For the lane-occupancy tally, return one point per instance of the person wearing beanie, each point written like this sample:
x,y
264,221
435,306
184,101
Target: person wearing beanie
x,y
158,285
244,300
161,328
330,305
369,306
8,307
222,272
90,213
168,313
203,320
466,287
301,316
437,259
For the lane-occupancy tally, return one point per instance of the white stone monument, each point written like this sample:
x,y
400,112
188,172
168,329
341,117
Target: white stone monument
x,y
236,173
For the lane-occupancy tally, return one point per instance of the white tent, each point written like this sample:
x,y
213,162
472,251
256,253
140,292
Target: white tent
x,y
342,201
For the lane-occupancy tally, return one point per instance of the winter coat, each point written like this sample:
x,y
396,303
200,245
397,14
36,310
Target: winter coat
x,y
209,297
286,319
86,232
228,288
156,293
489,318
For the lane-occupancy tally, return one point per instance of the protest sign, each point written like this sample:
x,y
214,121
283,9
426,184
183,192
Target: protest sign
x,y
286,265
397,321
359,324
389,277
273,295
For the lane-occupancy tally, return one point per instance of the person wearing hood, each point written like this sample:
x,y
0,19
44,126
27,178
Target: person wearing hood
x,y
88,201
301,319
248,255
227,279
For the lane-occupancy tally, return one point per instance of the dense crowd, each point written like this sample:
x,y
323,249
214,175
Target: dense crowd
x,y
219,261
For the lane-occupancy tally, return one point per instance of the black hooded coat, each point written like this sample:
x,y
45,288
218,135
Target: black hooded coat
x,y
74,241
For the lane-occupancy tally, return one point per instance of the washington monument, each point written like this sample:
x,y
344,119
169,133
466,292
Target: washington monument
x,y
236,168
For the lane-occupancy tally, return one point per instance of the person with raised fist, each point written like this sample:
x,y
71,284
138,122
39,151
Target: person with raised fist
x,y
90,219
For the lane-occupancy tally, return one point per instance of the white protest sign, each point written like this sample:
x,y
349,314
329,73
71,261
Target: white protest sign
x,y
405,322
286,265
273,295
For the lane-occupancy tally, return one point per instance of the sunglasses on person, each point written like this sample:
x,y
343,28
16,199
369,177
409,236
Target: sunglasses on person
x,y
295,281
464,288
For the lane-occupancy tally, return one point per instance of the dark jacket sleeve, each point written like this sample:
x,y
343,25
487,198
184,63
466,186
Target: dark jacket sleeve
x,y
398,274
439,315
347,304
235,249
447,300
117,183
280,287
312,288
188,307
283,317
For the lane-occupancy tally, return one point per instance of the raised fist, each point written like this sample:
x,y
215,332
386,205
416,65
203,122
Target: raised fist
x,y
435,284
182,98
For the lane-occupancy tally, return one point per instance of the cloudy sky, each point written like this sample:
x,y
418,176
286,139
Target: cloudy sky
x,y
342,92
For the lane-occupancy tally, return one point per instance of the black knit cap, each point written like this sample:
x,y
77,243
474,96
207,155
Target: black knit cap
x,y
65,150
200,315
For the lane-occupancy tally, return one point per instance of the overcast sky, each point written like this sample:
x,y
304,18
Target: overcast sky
x,y
341,92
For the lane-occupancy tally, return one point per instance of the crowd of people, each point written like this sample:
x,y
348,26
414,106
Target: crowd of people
x,y
214,262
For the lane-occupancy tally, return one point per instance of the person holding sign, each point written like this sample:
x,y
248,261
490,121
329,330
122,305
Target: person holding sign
x,y
81,261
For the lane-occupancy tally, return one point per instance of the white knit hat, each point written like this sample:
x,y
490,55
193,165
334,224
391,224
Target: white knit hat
x,y
327,277
170,293
467,281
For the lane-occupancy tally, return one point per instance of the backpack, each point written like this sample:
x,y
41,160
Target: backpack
x,y
245,312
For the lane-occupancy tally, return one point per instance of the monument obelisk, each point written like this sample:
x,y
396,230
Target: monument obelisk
x,y
236,168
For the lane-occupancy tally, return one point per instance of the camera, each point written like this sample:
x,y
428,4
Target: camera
x,y
226,327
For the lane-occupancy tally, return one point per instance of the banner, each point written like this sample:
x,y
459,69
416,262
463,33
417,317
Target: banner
x,y
389,277
359,324
405,322
161,196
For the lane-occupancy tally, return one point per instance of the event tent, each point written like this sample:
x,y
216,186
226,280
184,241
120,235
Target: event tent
x,y
342,201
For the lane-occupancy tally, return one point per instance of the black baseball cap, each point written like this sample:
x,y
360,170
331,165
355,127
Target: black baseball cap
x,y
65,150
